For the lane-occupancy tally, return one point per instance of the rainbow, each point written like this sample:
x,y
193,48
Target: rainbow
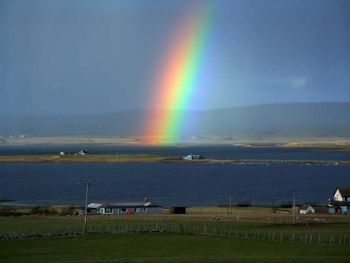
x,y
176,82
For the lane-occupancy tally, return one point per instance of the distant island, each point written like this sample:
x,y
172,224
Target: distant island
x,y
295,124
316,142
98,158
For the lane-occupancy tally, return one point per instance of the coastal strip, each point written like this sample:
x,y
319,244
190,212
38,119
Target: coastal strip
x,y
152,159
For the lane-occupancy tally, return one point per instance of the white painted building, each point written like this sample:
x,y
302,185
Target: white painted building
x,y
306,209
124,208
340,203
191,157
342,194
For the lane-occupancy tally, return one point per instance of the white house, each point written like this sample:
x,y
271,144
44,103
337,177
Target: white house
x,y
340,203
306,209
82,152
342,194
124,208
191,157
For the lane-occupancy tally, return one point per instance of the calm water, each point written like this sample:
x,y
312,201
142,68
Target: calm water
x,y
171,184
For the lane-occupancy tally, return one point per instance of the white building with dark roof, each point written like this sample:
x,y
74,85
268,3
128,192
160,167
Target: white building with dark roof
x,y
191,157
340,203
306,209
342,194
124,208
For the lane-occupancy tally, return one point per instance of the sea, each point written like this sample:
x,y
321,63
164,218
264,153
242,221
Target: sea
x,y
175,184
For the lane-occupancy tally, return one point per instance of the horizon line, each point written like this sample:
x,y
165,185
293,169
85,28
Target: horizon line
x,y
173,110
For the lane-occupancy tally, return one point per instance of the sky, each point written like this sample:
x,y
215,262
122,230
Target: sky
x,y
85,56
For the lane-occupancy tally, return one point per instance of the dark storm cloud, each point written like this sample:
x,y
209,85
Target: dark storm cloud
x,y
68,57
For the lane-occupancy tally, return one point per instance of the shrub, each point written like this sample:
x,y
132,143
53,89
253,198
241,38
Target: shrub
x,y
244,204
38,210
286,205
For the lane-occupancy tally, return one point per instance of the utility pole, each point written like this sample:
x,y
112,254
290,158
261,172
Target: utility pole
x,y
86,206
293,208
86,201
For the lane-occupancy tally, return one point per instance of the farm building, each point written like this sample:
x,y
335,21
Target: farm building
x,y
340,203
306,209
191,157
178,210
124,208
321,209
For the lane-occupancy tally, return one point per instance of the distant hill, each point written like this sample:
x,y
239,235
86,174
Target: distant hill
x,y
298,120
279,120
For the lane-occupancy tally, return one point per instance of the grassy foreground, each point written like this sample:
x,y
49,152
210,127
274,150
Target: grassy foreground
x,y
172,247
161,247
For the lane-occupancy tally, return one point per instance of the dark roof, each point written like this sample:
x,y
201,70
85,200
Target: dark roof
x,y
339,203
344,191
128,206
122,205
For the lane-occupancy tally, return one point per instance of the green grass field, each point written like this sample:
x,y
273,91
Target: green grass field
x,y
30,224
170,247
161,247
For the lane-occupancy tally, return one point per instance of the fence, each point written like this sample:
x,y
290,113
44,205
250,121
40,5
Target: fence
x,y
272,236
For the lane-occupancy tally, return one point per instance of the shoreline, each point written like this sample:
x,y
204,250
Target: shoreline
x,y
138,141
153,159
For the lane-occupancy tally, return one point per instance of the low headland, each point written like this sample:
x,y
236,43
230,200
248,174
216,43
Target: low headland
x,y
98,158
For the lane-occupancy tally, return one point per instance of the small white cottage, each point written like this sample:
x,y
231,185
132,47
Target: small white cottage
x,y
340,203
306,209
342,194
124,208
191,157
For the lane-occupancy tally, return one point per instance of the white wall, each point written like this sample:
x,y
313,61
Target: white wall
x,y
337,196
